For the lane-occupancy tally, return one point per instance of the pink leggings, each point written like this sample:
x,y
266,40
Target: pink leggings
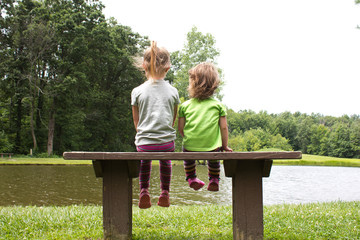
x,y
165,165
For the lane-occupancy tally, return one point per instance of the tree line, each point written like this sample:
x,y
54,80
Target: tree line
x,y
66,74
312,134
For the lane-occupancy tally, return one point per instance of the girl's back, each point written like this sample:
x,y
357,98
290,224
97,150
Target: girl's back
x,y
156,102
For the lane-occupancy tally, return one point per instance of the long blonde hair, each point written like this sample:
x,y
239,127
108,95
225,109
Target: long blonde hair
x,y
156,61
203,80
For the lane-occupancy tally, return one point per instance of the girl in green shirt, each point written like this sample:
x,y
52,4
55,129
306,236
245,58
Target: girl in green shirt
x,y
202,123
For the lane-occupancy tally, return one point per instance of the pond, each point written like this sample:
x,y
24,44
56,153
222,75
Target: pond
x,y
66,185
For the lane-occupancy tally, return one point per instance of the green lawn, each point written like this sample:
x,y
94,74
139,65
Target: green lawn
x,y
335,220
40,161
315,160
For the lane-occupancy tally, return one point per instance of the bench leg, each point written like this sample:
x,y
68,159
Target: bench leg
x,y
248,200
117,200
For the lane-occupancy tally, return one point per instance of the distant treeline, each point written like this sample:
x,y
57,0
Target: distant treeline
x,y
312,134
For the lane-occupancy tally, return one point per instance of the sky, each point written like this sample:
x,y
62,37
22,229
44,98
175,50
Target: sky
x,y
280,55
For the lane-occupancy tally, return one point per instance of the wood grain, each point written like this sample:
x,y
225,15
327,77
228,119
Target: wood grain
x,y
180,155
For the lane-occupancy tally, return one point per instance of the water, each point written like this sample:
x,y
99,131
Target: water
x,y
305,184
66,185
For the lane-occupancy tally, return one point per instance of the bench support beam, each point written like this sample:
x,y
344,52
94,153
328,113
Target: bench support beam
x,y
117,200
248,200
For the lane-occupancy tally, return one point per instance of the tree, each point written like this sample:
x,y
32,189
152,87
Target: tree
x,y
198,48
286,126
355,137
257,139
39,43
319,140
15,18
67,71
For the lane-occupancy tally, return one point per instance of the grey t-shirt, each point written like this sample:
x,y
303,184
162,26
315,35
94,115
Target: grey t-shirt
x,y
156,102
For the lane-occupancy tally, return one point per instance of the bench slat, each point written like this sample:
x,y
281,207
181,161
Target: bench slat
x,y
180,155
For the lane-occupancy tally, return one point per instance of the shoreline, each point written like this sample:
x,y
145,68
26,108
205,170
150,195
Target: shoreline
x,y
307,160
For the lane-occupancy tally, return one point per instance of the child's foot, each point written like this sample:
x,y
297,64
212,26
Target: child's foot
x,y
164,200
144,200
195,183
213,185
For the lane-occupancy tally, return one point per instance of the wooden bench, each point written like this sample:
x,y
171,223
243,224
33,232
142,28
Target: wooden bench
x,y
246,169
8,154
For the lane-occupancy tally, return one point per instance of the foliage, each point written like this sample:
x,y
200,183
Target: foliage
x,y
313,134
66,75
198,48
5,145
257,139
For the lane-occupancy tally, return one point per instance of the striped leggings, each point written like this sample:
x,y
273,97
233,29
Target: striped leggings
x,y
213,167
165,165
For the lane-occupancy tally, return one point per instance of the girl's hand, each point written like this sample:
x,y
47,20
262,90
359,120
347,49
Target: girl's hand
x,y
227,149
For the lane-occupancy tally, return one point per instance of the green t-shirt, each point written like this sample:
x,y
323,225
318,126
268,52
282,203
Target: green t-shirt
x,y
202,130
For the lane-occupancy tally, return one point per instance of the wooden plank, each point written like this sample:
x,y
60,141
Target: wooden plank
x,y
180,155
247,201
117,200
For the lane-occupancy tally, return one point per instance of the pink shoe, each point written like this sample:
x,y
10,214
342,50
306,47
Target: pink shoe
x,y
144,200
164,200
213,185
195,183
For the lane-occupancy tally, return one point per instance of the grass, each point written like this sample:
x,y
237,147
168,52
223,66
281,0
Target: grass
x,y
40,161
71,222
335,220
314,160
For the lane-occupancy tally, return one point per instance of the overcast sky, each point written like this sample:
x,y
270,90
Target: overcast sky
x,y
279,55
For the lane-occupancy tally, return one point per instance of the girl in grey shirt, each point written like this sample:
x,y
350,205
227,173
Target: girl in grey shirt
x,y
154,106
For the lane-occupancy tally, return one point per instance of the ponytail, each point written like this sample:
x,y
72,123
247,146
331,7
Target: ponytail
x,y
153,53
156,61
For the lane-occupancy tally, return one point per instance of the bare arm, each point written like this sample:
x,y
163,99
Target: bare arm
x,y
181,124
224,134
175,114
135,112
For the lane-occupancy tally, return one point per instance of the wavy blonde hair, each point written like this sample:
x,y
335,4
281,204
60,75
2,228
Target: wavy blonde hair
x,y
203,80
156,61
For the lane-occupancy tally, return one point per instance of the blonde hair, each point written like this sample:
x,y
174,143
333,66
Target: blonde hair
x,y
203,80
156,61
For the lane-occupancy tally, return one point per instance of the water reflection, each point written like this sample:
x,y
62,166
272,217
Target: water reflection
x,y
182,194
49,185
65,185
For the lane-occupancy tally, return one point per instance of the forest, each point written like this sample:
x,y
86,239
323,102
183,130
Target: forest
x,y
66,74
